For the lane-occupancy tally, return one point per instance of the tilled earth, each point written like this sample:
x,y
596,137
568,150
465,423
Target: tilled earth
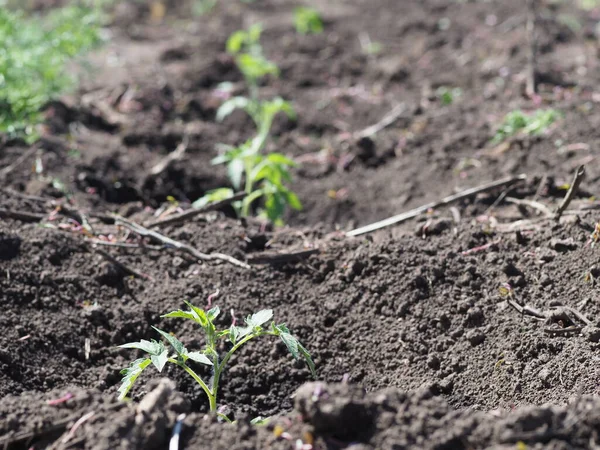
x,y
414,345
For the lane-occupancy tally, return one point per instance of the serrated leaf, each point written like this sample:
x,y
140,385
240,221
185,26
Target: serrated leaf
x,y
152,347
179,314
175,343
131,374
200,358
202,318
259,318
160,360
308,359
213,313
291,343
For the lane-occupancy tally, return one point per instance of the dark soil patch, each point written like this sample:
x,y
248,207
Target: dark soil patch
x,y
406,325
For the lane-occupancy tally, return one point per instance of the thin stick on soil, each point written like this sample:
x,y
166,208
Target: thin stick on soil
x,y
385,122
532,204
125,268
20,160
33,198
175,155
577,179
281,258
445,201
187,215
531,87
126,245
143,231
23,216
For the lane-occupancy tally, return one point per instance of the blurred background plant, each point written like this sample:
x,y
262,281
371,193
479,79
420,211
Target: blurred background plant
x,y
36,50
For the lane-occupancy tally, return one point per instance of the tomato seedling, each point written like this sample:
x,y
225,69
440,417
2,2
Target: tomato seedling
x,y
159,355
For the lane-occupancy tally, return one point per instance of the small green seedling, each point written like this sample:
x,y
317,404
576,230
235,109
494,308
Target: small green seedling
x,y
245,46
264,177
159,355
447,95
307,20
528,124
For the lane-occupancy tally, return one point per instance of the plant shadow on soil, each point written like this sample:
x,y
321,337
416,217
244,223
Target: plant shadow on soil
x,y
413,344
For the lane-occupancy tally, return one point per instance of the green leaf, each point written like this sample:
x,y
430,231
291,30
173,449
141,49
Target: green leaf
x,y
236,333
131,374
200,358
213,196
152,347
175,343
231,105
293,200
308,359
278,158
259,318
160,360
260,420
235,171
291,343
295,347
202,318
213,313
236,41
307,20
179,314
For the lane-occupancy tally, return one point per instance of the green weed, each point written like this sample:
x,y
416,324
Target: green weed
x,y
35,52
528,124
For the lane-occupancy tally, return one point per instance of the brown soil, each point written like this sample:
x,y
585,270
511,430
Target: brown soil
x,y
406,326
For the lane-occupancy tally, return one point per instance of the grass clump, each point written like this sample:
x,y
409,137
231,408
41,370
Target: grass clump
x,y
33,59
517,121
158,355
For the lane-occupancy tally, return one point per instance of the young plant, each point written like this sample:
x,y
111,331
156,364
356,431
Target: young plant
x,y
159,355
528,124
307,20
33,60
447,95
264,177
245,46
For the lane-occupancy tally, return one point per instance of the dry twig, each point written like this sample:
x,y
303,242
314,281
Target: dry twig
x,y
281,258
143,231
445,201
20,160
577,179
187,215
175,155
385,122
125,268
23,216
